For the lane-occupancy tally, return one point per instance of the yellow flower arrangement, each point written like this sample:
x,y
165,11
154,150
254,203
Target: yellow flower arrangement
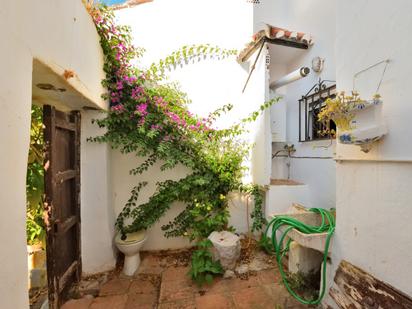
x,y
340,109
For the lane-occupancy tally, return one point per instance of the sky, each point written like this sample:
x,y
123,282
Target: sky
x,y
110,2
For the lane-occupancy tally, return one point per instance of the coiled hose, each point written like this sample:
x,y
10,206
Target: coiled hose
x,y
275,247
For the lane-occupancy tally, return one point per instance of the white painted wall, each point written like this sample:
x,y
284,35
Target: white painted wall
x,y
373,195
97,213
318,19
61,34
123,183
163,26
370,46
373,228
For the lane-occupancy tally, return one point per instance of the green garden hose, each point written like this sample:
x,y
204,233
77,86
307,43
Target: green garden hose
x,y
273,246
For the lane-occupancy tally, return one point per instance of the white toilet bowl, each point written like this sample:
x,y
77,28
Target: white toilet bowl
x,y
131,247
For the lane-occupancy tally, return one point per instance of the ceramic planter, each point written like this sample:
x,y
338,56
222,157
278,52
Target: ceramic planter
x,y
367,125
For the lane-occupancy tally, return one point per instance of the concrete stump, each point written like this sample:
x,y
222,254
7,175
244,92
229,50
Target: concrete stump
x,y
226,248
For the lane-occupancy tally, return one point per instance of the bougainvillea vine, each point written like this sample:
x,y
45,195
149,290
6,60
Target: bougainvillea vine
x,y
150,118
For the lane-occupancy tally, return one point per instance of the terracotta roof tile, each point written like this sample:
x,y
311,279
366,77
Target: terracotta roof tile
x,y
275,35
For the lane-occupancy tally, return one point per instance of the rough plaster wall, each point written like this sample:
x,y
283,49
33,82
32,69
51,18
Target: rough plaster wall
x,y
97,212
209,84
373,198
318,19
59,32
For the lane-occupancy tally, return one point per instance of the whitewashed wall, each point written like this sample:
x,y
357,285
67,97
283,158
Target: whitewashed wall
x,y
97,213
373,194
318,19
61,34
163,26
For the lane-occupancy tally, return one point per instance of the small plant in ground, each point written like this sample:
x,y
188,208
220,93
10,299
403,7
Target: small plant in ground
x,y
306,284
265,243
150,118
203,267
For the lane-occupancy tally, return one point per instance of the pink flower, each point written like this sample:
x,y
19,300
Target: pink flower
x,y
174,117
142,111
141,121
119,85
142,108
113,29
118,108
98,19
121,47
129,79
156,127
137,93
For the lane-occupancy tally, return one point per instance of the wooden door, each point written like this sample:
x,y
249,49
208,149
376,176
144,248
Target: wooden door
x,y
62,202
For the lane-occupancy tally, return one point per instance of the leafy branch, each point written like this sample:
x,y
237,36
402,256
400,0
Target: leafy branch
x,y
187,54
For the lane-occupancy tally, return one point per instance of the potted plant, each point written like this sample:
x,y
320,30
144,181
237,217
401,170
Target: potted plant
x,y
358,122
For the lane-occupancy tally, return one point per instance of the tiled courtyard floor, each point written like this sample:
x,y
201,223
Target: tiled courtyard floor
x,y
159,286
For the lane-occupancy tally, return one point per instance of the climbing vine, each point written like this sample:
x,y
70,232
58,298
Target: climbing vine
x,y
150,118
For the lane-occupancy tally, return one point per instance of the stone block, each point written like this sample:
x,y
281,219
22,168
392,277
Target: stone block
x,y
226,248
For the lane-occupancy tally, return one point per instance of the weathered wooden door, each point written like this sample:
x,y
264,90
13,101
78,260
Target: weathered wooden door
x,y
62,202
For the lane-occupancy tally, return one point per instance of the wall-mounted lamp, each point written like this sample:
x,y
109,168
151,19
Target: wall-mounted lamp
x,y
317,64
289,78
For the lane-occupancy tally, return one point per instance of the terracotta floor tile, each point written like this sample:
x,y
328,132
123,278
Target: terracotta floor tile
x,y
295,305
141,301
151,270
239,284
142,287
214,301
176,290
109,302
150,265
82,303
253,297
180,304
219,285
269,276
175,273
150,260
115,286
277,293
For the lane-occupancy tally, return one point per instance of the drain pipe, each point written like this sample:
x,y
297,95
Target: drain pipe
x,y
289,78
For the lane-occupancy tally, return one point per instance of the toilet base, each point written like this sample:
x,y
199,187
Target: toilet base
x,y
131,264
